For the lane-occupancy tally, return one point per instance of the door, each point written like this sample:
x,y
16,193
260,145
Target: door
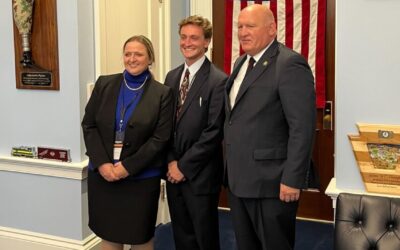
x,y
313,203
116,21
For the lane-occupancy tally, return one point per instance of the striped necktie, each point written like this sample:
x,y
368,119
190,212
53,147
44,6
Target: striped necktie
x,y
183,90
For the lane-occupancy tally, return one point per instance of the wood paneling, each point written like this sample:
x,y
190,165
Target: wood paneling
x,y
318,205
218,20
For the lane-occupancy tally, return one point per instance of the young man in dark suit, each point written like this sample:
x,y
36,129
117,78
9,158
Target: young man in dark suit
x,y
195,163
268,134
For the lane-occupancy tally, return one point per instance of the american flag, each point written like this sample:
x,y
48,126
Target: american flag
x,y
301,26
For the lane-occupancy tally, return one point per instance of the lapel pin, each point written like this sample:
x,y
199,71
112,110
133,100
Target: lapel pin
x,y
265,63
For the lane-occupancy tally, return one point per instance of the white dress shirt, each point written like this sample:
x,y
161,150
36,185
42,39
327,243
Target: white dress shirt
x,y
193,70
240,76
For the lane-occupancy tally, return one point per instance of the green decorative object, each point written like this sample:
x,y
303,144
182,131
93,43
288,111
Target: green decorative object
x,y
384,156
23,11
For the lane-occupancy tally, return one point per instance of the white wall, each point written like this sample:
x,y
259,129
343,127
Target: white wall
x,y
179,10
45,205
50,201
43,117
86,64
47,201
367,76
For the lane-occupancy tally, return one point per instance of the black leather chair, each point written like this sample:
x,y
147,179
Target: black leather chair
x,y
367,222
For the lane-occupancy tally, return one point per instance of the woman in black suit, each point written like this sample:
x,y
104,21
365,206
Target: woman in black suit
x,y
126,126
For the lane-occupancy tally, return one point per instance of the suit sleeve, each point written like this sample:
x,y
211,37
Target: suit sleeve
x,y
210,140
95,148
170,147
157,142
297,95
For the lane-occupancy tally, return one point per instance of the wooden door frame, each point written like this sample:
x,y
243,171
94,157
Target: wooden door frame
x,y
314,205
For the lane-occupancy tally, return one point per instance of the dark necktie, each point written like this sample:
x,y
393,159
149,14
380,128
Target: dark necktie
x,y
250,66
183,90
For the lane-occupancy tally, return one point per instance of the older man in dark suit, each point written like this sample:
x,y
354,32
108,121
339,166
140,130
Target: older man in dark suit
x,y
269,129
195,155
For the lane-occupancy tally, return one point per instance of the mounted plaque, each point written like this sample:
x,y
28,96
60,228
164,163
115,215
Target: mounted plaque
x,y
377,151
36,44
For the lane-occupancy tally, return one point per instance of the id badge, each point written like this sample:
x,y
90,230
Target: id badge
x,y
119,138
117,150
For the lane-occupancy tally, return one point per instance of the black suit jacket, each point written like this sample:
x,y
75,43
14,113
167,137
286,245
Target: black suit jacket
x,y
146,134
269,131
197,139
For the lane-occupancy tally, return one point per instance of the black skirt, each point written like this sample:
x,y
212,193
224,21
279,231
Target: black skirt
x,y
124,211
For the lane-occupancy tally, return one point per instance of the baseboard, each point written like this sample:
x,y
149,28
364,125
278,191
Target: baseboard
x,y
15,239
314,220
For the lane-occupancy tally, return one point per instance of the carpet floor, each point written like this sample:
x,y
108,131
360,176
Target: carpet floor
x,y
310,235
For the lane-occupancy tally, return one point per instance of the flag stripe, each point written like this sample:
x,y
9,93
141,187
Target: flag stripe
x,y
288,17
305,27
273,5
297,25
228,36
300,26
312,41
237,50
281,24
320,63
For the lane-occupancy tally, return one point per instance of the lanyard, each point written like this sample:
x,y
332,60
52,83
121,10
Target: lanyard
x,y
120,132
124,108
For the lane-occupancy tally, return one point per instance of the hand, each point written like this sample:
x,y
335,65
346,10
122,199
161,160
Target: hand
x,y
174,175
289,194
106,170
120,171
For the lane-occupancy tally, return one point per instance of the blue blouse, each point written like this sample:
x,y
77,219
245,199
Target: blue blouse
x,y
129,95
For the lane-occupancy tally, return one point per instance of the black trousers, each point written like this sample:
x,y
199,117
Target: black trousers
x,y
194,218
263,223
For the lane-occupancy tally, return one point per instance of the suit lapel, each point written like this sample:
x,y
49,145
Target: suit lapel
x,y
258,69
231,79
111,102
234,73
198,83
109,111
175,83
